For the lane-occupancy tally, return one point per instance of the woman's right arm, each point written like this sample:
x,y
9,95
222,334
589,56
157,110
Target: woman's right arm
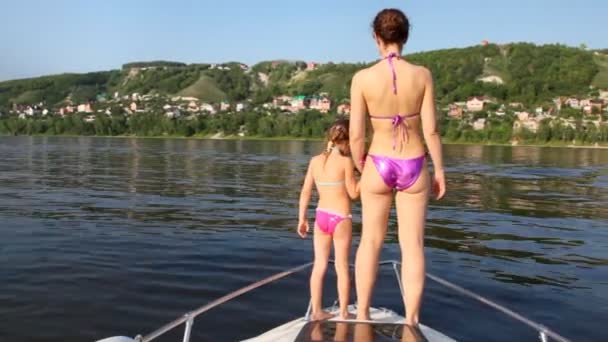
x,y
358,110
431,135
352,186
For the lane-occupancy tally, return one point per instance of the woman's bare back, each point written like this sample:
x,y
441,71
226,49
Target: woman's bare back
x,y
377,89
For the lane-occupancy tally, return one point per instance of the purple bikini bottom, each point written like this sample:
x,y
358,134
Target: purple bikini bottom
x,y
398,174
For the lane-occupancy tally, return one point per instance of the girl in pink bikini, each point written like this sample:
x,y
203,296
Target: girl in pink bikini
x,y
333,174
399,98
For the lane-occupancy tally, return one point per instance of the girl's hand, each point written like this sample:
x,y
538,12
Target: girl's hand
x,y
303,228
439,184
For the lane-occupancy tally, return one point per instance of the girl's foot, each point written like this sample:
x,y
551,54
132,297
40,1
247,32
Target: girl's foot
x,y
321,316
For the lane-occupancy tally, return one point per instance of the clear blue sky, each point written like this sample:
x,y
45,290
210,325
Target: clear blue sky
x,y
39,37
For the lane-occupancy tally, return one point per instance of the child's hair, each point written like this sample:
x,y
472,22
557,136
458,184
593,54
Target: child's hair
x,y
337,134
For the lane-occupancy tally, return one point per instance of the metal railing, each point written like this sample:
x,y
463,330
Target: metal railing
x,y
544,332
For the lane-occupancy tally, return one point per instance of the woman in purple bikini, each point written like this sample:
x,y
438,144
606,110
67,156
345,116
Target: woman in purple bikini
x,y
399,98
332,172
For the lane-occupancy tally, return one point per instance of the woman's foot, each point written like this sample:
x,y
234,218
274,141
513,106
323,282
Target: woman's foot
x,y
321,316
361,317
346,316
412,334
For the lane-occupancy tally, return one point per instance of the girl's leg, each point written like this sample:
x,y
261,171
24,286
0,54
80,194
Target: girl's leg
x,y
376,200
342,243
322,250
411,215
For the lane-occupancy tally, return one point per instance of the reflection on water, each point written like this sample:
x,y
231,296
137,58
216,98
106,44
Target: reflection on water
x,y
150,228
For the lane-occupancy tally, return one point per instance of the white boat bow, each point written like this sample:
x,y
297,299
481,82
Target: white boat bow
x,y
381,318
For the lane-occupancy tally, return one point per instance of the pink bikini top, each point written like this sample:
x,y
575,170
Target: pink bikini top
x,y
398,120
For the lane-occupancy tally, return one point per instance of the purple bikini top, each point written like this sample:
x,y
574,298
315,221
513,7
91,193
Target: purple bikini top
x,y
398,120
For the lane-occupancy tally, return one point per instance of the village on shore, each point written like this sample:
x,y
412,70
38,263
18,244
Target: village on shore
x,y
476,111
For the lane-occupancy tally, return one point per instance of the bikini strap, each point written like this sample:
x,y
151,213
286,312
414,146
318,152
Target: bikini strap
x,y
392,66
396,122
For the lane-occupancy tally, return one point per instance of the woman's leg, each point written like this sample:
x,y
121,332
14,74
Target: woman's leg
x,y
322,250
342,243
376,200
411,214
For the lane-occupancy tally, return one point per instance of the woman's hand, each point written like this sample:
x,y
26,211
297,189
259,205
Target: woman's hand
x,y
303,228
439,184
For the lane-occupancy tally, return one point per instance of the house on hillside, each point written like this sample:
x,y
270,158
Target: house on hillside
x,y
299,102
208,108
241,106
193,107
320,103
573,102
531,125
476,103
310,66
558,103
479,124
604,95
133,106
595,106
522,116
344,109
84,108
173,114
455,111
585,102
281,101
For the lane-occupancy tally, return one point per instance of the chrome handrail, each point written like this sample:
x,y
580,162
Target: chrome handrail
x,y
188,318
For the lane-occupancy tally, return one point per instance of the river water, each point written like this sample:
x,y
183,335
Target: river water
x,y
117,236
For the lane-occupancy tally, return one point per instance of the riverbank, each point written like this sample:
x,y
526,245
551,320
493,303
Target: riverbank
x,y
261,138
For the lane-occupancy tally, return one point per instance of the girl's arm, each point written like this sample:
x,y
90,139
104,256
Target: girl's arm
x,y
305,195
431,135
352,186
358,109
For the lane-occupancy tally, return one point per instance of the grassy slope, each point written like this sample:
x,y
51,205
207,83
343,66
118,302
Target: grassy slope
x,y
601,79
497,67
205,89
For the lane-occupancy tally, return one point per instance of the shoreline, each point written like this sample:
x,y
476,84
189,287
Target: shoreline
x,y
258,138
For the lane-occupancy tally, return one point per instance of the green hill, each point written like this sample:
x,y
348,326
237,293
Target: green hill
x,y
205,89
530,74
601,78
